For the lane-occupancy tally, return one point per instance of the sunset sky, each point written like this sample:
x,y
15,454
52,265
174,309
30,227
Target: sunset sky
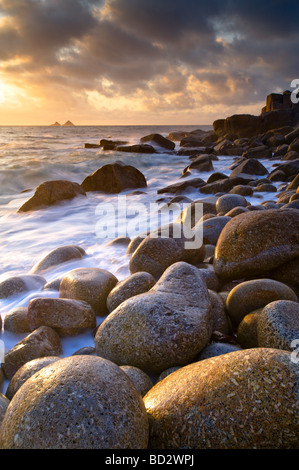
x,y
121,62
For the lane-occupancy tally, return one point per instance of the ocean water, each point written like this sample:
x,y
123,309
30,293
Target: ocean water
x,y
32,155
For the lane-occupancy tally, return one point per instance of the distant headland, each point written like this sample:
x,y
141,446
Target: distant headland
x,y
67,123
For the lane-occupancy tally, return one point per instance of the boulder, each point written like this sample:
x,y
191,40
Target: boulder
x,y
220,320
252,295
242,190
178,188
156,253
26,371
247,125
192,212
66,316
278,325
51,192
91,285
201,163
212,228
4,402
135,284
165,327
245,399
247,330
20,284
43,341
254,243
225,185
249,166
136,148
216,349
16,320
287,273
140,379
79,402
59,255
216,177
114,178
261,151
158,139
229,201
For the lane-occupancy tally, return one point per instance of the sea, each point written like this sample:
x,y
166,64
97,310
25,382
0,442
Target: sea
x,y
32,155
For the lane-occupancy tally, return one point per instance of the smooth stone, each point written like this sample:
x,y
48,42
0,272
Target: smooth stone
x,y
220,403
51,192
287,273
59,255
167,372
219,317
178,188
236,211
251,295
16,320
52,285
119,241
266,188
89,350
20,284
211,279
216,349
26,371
4,402
136,148
79,402
228,201
156,253
256,242
262,151
135,284
278,325
91,285
140,379
43,341
165,327
197,209
247,330
249,166
242,190
114,178
212,229
158,139
66,316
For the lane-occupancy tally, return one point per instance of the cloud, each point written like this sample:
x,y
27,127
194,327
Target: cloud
x,y
169,54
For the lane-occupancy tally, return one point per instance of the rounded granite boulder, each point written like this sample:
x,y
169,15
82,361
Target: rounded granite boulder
x,y
135,284
66,316
159,250
140,379
92,285
59,255
278,325
80,402
228,201
26,371
256,242
164,327
251,295
245,399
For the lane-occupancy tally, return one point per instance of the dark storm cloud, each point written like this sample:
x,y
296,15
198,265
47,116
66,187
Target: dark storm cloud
x,y
229,44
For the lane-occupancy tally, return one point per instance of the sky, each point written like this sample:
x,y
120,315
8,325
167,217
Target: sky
x,y
125,62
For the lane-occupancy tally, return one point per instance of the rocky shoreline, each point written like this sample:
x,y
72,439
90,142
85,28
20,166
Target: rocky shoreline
x,y
196,348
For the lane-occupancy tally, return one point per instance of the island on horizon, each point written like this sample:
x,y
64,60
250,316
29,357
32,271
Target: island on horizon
x,y
67,123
